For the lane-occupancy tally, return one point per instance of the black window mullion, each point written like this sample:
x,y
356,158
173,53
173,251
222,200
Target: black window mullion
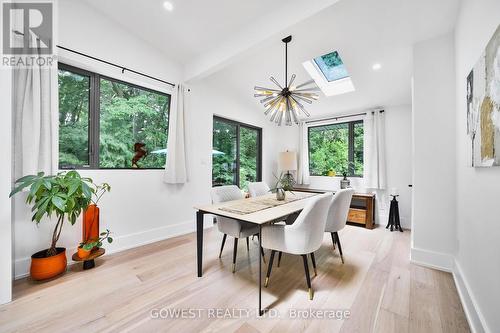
x,y
97,118
259,155
94,123
237,178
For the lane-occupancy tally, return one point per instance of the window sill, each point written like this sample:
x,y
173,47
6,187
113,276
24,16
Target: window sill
x,y
335,177
110,169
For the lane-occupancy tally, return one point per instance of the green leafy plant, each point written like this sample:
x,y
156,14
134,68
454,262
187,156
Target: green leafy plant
x,y
64,195
283,182
104,236
99,191
344,168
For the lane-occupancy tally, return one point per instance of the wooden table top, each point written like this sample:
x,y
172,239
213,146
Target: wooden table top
x,y
259,217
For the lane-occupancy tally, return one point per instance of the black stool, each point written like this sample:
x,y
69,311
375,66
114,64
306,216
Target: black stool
x,y
394,222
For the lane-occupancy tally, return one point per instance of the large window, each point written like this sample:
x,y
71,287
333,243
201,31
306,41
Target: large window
x,y
336,147
103,121
236,154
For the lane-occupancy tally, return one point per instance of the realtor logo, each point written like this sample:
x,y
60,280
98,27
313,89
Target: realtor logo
x,y
27,28
28,35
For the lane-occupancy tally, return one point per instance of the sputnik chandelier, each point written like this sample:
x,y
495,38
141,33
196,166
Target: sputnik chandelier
x,y
287,101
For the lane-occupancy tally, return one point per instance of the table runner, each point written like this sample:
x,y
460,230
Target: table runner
x,y
266,202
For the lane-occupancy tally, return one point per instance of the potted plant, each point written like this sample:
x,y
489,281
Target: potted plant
x,y
282,185
64,195
344,170
90,227
85,248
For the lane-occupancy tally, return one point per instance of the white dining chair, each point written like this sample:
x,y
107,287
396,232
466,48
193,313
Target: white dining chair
x,y
257,189
231,227
301,238
337,216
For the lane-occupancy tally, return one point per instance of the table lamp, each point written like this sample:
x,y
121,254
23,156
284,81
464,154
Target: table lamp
x,y
287,161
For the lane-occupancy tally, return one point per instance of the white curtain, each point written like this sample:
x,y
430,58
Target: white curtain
x,y
35,98
303,170
175,169
374,151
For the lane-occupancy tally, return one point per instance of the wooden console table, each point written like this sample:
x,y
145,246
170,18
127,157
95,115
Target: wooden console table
x,y
362,211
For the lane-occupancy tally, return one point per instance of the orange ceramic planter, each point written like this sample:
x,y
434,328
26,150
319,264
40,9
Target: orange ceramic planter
x,y
82,253
90,223
43,268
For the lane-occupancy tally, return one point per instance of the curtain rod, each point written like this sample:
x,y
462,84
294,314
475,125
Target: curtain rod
x,y
341,117
123,68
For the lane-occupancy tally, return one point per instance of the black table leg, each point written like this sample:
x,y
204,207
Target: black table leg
x,y
260,272
199,241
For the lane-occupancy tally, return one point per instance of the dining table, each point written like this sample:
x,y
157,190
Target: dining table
x,y
259,210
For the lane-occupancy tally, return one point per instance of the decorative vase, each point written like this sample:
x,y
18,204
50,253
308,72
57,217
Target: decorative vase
x,y
331,173
82,253
90,228
345,183
280,194
43,267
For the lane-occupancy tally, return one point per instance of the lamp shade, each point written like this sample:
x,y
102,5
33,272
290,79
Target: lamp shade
x,y
287,161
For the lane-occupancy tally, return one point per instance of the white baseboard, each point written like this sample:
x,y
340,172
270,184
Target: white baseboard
x,y
475,318
121,243
436,260
446,262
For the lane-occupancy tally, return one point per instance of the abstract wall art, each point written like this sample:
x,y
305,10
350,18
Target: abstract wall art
x,y
483,106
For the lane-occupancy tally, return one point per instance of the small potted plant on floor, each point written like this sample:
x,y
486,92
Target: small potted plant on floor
x,y
64,195
85,248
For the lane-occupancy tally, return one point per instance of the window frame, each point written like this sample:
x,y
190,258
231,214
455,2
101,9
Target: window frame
x,y
238,125
95,116
350,145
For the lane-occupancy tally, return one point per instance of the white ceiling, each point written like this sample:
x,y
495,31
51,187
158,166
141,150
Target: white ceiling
x,y
363,31
192,28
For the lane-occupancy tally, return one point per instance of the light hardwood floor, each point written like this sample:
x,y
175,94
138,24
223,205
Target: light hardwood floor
x,y
377,284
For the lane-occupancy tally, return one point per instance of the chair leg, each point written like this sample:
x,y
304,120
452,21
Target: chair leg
x,y
222,245
333,240
308,278
266,282
279,258
248,244
337,239
262,252
314,264
235,250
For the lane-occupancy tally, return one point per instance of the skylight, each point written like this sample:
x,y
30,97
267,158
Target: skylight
x,y
331,66
330,74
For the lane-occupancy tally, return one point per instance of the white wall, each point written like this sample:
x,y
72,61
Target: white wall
x,y
5,185
433,237
398,155
141,208
478,190
399,164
